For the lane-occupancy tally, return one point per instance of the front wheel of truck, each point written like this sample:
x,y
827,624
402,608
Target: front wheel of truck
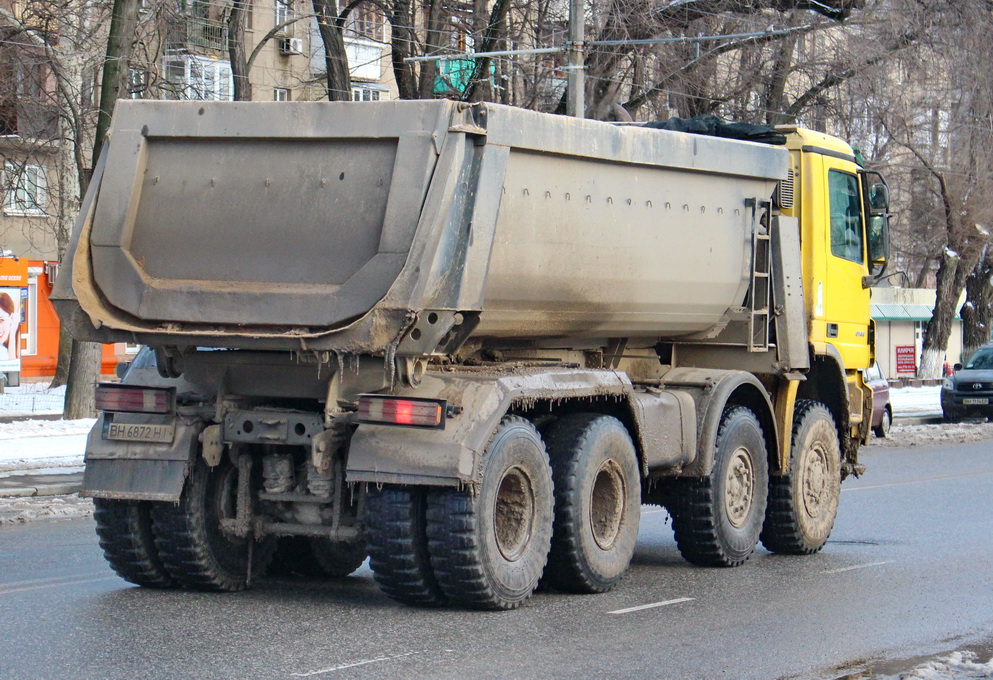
x,y
717,519
125,532
489,546
194,548
804,502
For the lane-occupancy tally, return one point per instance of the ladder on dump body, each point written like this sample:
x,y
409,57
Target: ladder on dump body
x,y
760,290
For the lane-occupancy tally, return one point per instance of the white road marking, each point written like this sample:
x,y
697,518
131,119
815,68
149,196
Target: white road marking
x,y
652,605
857,566
652,511
939,478
7,590
364,662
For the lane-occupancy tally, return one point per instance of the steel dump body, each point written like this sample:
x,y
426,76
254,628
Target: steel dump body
x,y
334,226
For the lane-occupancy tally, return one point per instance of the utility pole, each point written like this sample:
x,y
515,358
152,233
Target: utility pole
x,y
575,81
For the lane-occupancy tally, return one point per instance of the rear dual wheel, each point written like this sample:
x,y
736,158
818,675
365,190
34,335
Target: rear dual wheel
x,y
488,548
125,532
194,549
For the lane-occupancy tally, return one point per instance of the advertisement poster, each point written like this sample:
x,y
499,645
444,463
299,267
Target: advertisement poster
x,y
13,278
906,360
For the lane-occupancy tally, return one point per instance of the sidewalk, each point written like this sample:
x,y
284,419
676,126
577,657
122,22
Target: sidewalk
x,y
54,483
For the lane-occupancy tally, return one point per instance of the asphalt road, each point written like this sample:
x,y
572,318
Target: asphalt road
x,y
908,571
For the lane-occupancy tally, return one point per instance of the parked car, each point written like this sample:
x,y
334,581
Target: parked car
x,y
968,391
882,410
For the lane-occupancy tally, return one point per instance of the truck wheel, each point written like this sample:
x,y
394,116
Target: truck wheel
x,y
194,549
804,502
883,428
317,557
396,532
717,519
597,503
125,532
488,548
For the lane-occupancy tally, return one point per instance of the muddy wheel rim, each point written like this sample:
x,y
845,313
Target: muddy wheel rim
x,y
739,487
815,480
607,505
514,514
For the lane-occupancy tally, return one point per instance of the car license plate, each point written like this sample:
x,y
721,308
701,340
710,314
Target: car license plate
x,y
976,401
162,434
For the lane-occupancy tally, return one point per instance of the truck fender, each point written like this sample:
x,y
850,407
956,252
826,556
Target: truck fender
x,y
139,471
452,456
711,391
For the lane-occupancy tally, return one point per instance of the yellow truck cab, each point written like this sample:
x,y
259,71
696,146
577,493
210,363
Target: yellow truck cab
x,y
840,207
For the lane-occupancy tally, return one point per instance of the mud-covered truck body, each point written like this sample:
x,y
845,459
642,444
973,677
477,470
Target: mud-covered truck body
x,y
468,341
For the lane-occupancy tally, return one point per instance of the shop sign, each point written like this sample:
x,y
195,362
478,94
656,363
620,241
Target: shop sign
x,y
13,286
906,360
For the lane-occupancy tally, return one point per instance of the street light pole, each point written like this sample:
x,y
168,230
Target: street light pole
x,y
575,81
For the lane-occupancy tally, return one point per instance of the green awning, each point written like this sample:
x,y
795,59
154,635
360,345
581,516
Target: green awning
x,y
894,312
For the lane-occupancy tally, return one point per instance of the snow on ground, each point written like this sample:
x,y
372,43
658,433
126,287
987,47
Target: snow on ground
x,y
40,444
953,666
916,401
23,510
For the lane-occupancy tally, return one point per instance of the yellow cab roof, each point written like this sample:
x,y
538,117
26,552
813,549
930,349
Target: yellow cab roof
x,y
798,138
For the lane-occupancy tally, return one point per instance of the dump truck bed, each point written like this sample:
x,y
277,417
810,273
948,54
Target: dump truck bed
x,y
340,226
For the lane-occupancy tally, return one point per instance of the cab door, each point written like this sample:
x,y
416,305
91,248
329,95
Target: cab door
x,y
844,302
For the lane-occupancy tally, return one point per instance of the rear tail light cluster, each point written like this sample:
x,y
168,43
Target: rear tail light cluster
x,y
402,411
131,399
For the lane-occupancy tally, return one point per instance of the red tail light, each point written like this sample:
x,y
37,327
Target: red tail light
x,y
130,399
402,411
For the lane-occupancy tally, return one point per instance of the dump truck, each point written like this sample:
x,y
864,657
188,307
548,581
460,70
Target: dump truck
x,y
466,341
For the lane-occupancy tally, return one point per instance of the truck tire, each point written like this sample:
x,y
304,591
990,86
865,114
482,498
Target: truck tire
x,y
396,533
125,532
597,503
317,557
717,519
194,549
804,502
489,548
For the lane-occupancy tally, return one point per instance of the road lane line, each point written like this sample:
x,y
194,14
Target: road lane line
x,y
57,584
857,566
652,605
364,662
940,478
652,511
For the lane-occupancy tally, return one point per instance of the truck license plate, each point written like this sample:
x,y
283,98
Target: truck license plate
x,y
162,434
976,401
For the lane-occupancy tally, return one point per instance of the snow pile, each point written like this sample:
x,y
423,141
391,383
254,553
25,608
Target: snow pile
x,y
23,510
952,666
940,434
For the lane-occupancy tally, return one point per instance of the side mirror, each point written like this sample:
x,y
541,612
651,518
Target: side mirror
x,y
957,367
122,369
879,198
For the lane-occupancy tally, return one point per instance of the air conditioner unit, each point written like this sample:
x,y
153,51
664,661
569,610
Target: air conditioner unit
x,y
288,46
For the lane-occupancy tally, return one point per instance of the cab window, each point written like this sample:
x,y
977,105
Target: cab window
x,y
846,215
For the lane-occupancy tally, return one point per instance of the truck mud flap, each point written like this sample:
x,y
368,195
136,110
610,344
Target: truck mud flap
x,y
143,471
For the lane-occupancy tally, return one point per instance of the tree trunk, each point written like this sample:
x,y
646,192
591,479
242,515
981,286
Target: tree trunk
x,y
338,80
84,373
977,312
84,365
120,41
237,53
434,40
65,356
401,39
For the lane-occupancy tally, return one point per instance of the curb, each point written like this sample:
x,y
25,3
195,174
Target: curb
x,y
42,490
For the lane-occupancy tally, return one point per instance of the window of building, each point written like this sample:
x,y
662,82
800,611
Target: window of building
x,y
25,189
284,12
366,22
368,94
280,94
194,77
137,83
846,215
